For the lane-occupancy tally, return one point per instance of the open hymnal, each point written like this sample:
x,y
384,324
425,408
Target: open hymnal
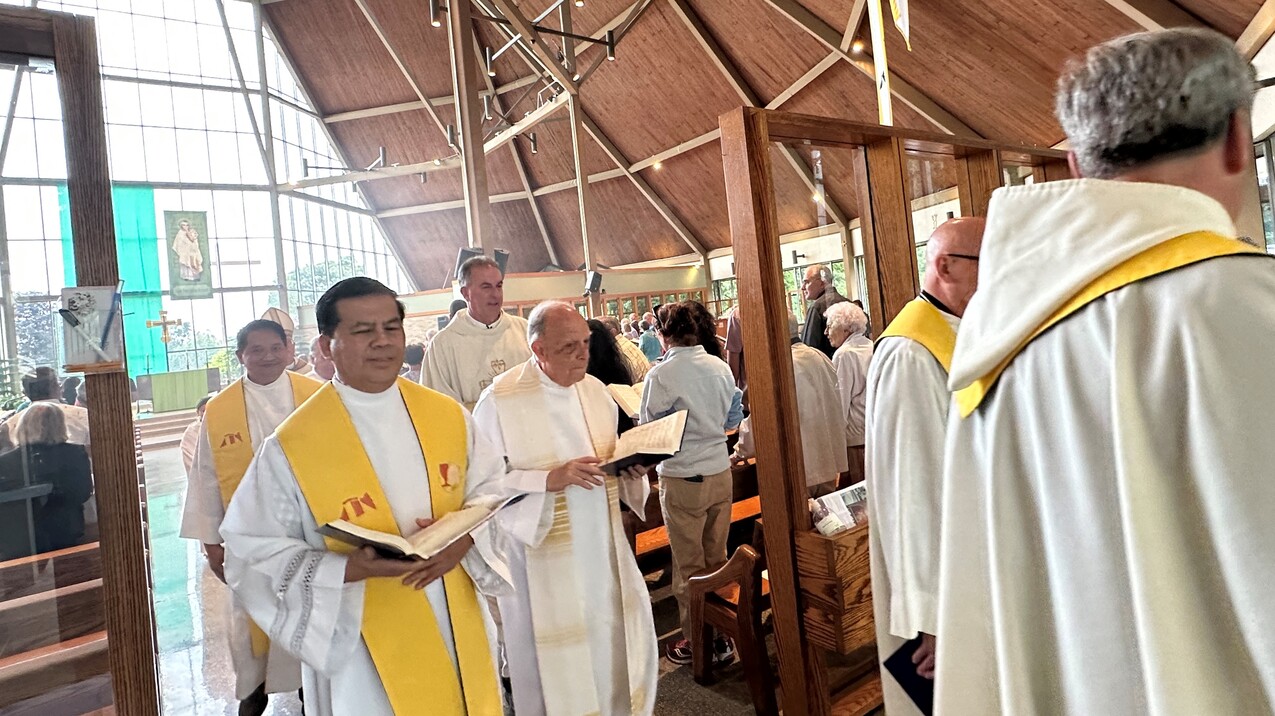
x,y
628,397
423,544
647,444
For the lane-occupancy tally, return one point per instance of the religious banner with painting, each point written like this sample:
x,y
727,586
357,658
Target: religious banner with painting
x,y
186,244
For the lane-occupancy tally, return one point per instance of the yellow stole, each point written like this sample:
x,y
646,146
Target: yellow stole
x,y
226,416
401,632
921,321
1163,257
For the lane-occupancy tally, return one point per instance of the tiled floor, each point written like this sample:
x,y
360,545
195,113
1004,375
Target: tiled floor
x,y
196,676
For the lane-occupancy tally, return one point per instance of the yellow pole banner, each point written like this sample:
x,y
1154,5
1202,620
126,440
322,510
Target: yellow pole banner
x,y
899,8
881,67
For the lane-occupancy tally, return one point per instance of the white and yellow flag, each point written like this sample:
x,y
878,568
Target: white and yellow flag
x,y
899,8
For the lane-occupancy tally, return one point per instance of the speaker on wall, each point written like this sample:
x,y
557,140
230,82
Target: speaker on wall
x,y
465,255
502,260
592,282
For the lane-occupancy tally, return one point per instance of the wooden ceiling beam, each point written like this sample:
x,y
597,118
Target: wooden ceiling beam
x,y
899,87
534,43
1258,32
445,101
536,116
407,74
855,21
802,82
447,205
1155,14
739,84
518,164
614,153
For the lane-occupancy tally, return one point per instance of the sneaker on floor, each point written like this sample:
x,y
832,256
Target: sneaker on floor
x,y
679,652
723,650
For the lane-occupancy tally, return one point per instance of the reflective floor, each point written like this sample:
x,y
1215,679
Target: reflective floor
x,y
190,608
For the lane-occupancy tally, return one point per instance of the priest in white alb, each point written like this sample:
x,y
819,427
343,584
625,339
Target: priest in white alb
x,y
906,422
391,456
578,630
1107,541
480,342
822,422
235,424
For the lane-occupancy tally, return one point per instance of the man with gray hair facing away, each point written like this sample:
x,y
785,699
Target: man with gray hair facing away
x,y
821,292
480,342
1107,544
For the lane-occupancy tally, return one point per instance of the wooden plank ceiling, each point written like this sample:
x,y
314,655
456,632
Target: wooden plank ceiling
x,y
990,63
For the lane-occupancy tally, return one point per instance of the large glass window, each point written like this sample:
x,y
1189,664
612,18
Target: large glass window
x,y
182,144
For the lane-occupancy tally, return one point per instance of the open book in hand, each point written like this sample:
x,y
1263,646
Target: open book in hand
x,y
647,444
628,397
423,544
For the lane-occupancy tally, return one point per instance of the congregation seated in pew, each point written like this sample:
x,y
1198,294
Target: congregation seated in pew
x,y
56,477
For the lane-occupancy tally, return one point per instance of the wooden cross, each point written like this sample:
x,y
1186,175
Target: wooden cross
x,y
163,323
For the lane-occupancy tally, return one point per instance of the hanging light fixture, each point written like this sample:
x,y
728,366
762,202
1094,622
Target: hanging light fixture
x,y
535,146
451,136
610,45
486,108
490,71
433,14
579,3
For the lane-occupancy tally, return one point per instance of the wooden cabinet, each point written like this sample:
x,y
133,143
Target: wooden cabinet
x,y
834,578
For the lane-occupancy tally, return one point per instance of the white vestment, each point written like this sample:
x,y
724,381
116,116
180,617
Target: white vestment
x,y
467,355
906,421
267,405
1107,541
281,571
823,424
851,361
190,444
613,669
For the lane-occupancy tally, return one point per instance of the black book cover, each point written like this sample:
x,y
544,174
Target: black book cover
x,y
917,687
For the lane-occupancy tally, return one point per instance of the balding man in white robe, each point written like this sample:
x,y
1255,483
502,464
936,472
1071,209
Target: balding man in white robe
x,y
1107,542
578,630
906,419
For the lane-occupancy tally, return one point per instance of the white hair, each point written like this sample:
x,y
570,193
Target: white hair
x,y
847,317
824,273
792,325
540,316
1151,95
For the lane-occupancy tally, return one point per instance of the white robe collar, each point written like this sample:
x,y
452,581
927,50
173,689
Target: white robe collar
x,y
1044,242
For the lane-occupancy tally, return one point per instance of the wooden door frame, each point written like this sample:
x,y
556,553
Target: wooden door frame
x,y
71,42
879,159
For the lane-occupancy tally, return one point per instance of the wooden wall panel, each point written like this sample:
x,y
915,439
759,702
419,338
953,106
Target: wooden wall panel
x,y
977,176
994,65
692,183
769,50
1229,17
659,91
889,248
342,61
514,229
623,229
125,569
428,244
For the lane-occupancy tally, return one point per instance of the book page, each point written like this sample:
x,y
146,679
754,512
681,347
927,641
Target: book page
x,y
454,525
660,437
628,397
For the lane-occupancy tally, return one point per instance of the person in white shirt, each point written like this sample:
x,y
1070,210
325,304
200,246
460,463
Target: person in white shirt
x,y
578,629
906,409
847,328
377,636
480,342
1107,540
822,421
